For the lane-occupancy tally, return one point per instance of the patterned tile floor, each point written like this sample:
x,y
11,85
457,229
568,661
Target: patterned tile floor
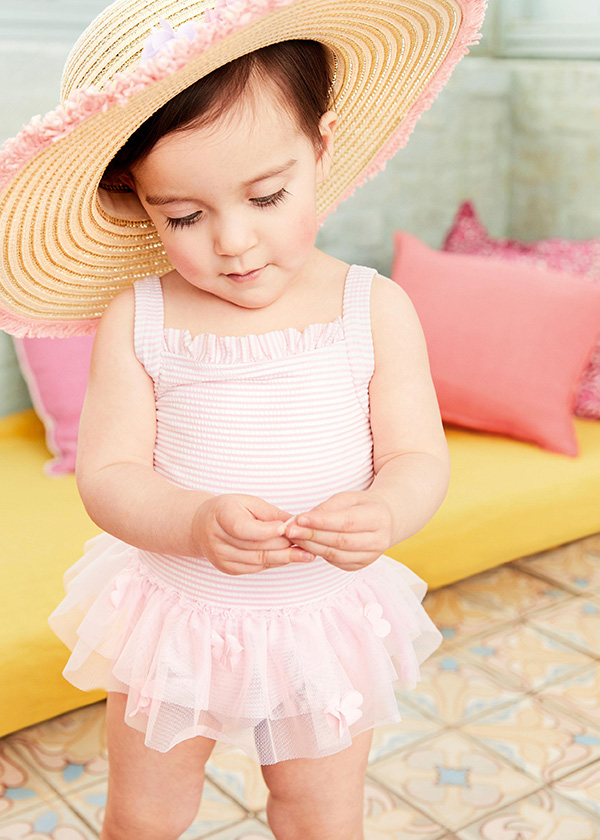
x,y
500,740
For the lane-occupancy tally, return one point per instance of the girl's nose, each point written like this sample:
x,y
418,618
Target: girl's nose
x,y
233,236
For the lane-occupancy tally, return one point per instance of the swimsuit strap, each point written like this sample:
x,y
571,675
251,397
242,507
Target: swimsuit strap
x,y
149,324
357,329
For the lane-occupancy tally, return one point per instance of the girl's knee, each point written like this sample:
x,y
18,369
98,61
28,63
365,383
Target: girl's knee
x,y
128,820
291,819
151,795
154,816
319,799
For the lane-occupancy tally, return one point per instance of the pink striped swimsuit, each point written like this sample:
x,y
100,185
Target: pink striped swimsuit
x,y
291,661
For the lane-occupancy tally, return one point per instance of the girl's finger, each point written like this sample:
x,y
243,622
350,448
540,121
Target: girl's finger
x,y
243,525
349,560
343,540
252,561
271,544
263,510
355,519
273,559
333,554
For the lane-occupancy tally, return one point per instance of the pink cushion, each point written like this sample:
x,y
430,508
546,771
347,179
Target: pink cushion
x,y
56,371
581,257
507,343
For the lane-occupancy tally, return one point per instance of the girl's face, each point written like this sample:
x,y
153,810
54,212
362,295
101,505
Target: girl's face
x,y
235,201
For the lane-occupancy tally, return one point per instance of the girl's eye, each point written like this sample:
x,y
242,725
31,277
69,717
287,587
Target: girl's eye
x,y
262,201
184,221
270,200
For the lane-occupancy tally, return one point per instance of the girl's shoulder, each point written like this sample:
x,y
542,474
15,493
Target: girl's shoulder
x,y
389,300
119,314
114,342
115,333
394,321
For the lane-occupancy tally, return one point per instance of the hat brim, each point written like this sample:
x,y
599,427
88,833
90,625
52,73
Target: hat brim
x,y
64,258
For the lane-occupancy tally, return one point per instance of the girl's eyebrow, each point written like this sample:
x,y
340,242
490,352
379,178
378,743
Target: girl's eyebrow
x,y
278,170
170,199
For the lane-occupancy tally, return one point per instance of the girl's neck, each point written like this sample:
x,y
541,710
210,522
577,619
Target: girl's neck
x,y
316,298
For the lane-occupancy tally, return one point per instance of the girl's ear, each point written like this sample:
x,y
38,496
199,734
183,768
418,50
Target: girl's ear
x,y
327,126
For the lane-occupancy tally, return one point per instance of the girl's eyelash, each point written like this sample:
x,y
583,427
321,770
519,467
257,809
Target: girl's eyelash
x,y
184,221
263,201
270,200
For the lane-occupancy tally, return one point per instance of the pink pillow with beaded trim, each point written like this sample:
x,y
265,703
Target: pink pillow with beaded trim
x,y
56,371
575,256
507,343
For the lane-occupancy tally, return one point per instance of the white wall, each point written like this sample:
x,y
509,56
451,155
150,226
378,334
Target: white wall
x,y
460,149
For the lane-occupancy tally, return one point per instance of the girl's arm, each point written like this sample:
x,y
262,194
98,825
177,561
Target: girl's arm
x,y
127,498
411,460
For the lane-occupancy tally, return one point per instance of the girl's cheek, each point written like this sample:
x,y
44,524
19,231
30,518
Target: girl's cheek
x,y
306,230
183,261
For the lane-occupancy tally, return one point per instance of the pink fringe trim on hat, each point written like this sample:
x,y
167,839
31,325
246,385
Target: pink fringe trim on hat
x,y
19,327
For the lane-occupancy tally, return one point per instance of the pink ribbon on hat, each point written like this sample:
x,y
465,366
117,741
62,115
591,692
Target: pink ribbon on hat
x,y
344,709
223,12
159,37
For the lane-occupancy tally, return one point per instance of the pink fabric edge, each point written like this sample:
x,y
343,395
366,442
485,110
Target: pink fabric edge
x,y
53,467
20,327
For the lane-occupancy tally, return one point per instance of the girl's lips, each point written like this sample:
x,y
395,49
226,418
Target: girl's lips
x,y
248,276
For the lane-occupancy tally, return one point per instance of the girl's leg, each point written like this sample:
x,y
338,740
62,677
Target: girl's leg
x,y
151,795
321,798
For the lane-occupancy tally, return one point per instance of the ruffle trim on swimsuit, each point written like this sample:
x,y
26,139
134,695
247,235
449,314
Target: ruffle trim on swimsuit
x,y
278,683
240,349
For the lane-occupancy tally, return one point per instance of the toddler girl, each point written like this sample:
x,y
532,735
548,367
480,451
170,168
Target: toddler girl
x,y
260,423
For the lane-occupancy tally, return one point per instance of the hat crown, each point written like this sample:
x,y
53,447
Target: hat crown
x,y
114,41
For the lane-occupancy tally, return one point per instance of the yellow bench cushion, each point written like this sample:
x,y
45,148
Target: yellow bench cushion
x,y
43,526
506,499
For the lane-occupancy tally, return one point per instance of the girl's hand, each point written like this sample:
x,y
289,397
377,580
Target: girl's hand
x,y
349,530
242,534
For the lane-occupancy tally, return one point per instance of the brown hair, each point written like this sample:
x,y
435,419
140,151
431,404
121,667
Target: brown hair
x,y
301,70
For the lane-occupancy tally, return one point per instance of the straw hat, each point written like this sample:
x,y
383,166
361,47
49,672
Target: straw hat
x,y
64,256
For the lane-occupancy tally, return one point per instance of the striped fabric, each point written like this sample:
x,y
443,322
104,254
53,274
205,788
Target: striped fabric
x,y
283,416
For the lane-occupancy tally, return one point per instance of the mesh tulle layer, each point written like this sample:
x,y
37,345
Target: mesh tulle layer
x,y
278,683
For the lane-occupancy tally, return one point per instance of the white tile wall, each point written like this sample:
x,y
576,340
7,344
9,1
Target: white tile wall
x,y
59,21
460,149
555,177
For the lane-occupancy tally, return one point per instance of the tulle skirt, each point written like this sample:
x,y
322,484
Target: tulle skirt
x,y
293,681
